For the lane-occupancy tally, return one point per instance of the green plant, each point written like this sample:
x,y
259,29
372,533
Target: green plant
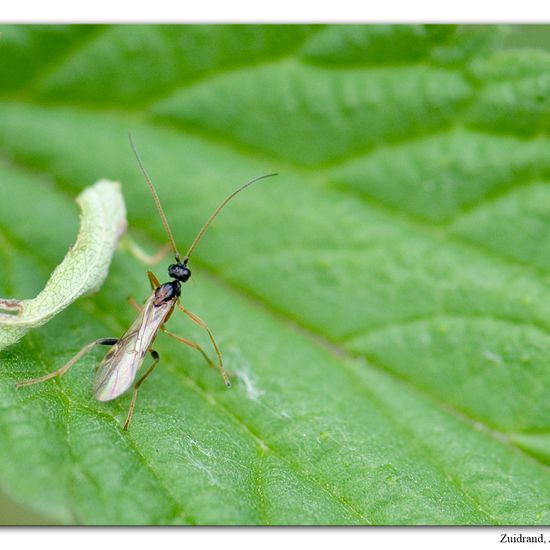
x,y
383,304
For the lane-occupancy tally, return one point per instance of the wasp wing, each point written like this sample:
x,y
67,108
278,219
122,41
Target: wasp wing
x,y
119,367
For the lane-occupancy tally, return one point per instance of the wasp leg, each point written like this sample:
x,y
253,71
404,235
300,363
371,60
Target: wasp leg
x,y
134,304
153,280
156,359
67,366
196,319
188,343
141,255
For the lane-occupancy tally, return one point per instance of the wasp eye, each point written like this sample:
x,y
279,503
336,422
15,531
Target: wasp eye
x,y
179,272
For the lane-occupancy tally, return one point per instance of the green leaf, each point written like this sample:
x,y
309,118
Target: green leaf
x,y
382,306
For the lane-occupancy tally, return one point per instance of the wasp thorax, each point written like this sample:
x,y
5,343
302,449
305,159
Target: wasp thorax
x,y
179,271
167,292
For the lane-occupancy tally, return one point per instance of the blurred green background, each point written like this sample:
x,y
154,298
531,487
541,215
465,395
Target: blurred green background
x,y
533,36
528,36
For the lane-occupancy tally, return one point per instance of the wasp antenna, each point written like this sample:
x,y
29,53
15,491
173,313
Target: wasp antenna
x,y
156,199
217,211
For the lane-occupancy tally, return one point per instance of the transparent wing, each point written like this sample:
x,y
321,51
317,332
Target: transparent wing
x,y
119,367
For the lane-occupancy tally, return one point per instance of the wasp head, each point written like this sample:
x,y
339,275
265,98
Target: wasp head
x,y
179,272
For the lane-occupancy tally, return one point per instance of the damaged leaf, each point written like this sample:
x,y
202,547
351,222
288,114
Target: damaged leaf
x,y
83,270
